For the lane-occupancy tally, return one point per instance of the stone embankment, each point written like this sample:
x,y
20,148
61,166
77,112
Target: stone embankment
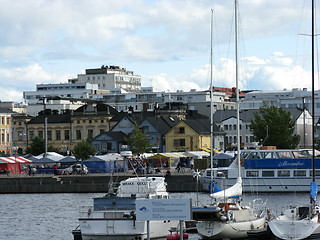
x,y
90,183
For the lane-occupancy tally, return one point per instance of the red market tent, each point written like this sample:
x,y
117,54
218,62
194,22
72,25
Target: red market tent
x,y
13,164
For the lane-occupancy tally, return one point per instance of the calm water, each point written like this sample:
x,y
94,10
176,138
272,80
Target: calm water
x,y
53,216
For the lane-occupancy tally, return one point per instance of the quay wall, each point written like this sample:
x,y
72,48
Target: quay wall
x,y
82,184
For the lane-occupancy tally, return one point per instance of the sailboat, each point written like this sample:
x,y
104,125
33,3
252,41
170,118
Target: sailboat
x,y
302,222
226,218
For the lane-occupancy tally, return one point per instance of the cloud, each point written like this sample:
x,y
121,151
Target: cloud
x,y
168,41
17,80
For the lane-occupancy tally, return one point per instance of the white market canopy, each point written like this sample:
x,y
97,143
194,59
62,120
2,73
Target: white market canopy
x,y
168,155
197,154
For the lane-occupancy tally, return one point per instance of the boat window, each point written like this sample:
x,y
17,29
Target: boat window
x,y
283,173
268,155
222,173
253,155
267,173
302,154
299,173
284,154
244,154
317,173
252,173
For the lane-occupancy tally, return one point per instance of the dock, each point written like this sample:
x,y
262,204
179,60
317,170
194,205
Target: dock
x,y
91,183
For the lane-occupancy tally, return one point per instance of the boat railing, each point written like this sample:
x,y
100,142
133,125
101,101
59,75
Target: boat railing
x,y
258,206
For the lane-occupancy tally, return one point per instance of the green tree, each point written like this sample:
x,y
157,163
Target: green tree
x,y
83,150
138,141
273,126
37,147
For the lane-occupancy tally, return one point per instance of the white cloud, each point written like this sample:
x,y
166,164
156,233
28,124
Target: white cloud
x,y
170,39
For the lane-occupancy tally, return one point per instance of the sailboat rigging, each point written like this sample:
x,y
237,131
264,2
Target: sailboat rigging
x,y
302,222
226,218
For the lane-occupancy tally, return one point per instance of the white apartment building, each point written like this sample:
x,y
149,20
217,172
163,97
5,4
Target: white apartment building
x,y
60,97
110,77
296,97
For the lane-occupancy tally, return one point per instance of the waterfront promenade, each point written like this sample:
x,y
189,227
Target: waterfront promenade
x,y
91,183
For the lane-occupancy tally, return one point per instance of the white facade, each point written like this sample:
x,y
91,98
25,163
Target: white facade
x,y
109,77
64,91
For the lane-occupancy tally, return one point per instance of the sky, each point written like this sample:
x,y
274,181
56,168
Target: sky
x,y
166,42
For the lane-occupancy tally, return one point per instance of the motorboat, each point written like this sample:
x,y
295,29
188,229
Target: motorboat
x,y
113,216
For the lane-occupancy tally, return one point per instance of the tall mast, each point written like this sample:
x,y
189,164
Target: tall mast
x,y
211,98
237,85
313,111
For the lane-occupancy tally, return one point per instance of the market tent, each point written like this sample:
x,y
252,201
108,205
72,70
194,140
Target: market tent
x,y
106,164
51,155
12,164
166,159
223,159
196,154
43,160
68,159
208,150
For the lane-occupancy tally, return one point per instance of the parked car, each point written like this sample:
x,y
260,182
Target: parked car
x,y
75,169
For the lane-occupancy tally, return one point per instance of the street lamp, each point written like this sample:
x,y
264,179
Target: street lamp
x,y
44,100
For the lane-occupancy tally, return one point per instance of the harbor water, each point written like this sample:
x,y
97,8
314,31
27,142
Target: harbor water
x,y
54,216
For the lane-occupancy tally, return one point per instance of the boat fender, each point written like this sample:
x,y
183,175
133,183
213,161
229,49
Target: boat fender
x,y
317,210
230,215
171,237
223,218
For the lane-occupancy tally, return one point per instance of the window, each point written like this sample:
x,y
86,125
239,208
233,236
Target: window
x,y
267,173
179,130
179,142
31,135
299,173
49,135
109,145
58,135
40,134
317,173
225,127
78,134
252,174
20,136
283,173
66,134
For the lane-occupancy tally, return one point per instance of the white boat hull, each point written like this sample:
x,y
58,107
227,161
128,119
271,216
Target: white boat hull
x,y
229,229
101,229
263,184
293,229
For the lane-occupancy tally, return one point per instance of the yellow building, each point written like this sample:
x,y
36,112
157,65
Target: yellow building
x,y
192,135
63,131
5,131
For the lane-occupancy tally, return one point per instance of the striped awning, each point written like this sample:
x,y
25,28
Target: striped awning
x,y
14,160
